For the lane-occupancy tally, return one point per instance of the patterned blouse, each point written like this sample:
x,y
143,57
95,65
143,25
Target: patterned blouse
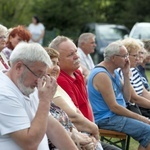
x,y
62,117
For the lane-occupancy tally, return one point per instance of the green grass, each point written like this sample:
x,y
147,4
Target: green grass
x,y
134,144
148,74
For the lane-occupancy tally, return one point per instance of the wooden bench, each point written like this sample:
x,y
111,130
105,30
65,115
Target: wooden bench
x,y
122,140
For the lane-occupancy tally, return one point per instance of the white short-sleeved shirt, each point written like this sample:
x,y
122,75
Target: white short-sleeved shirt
x,y
36,31
16,113
86,60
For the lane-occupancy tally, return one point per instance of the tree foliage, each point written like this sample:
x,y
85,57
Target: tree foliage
x,y
14,12
70,15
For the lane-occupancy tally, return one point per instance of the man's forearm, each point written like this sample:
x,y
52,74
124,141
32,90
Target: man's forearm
x,y
31,137
127,88
39,124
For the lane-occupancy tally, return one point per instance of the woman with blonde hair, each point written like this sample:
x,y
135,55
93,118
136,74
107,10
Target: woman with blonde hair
x,y
139,95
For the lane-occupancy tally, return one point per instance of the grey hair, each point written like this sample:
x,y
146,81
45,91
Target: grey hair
x,y
3,29
29,53
84,38
112,49
57,41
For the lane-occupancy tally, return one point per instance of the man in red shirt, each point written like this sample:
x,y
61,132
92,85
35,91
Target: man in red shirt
x,y
71,79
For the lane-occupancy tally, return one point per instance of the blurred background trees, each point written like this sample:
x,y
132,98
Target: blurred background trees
x,y
68,16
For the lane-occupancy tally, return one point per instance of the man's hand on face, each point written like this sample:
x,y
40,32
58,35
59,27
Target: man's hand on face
x,y
46,88
126,68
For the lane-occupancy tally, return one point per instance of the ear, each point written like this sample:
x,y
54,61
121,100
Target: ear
x,y
19,67
58,63
112,58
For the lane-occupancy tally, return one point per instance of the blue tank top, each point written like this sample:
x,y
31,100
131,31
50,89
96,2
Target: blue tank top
x,y
99,107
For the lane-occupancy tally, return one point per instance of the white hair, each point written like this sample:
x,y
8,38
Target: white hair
x,y
83,38
3,29
29,53
112,49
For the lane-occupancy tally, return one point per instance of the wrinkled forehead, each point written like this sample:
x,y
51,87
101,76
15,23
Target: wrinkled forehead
x,y
67,47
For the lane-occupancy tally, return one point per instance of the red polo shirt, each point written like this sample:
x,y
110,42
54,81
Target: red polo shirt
x,y
76,89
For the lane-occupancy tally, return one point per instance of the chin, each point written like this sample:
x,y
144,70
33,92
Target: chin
x,y
25,90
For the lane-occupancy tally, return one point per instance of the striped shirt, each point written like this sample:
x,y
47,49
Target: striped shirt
x,y
135,80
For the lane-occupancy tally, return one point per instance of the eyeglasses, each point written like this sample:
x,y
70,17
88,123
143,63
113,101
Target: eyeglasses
x,y
135,55
38,76
123,56
2,37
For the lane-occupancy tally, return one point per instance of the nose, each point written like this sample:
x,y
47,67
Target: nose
x,y
76,56
56,68
137,58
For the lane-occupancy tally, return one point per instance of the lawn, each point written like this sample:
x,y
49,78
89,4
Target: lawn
x,y
133,143
148,74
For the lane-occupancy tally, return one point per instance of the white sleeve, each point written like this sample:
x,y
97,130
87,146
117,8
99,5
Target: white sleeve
x,y
13,116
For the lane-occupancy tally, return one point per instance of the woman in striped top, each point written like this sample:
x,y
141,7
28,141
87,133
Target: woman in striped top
x,y
139,94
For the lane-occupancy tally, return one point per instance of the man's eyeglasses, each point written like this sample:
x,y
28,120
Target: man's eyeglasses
x,y
38,76
123,56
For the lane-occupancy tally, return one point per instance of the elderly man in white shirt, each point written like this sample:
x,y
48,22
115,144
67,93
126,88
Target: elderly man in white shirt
x,y
86,45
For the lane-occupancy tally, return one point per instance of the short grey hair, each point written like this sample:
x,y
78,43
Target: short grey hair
x,y
112,49
3,29
57,41
84,38
30,53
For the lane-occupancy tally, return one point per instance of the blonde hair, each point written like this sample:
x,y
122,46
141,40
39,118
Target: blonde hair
x,y
131,45
52,52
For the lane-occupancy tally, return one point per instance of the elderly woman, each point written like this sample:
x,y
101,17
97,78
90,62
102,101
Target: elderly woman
x,y
16,35
142,65
3,61
139,94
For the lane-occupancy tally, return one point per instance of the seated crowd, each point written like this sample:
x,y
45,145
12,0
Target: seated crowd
x,y
55,98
